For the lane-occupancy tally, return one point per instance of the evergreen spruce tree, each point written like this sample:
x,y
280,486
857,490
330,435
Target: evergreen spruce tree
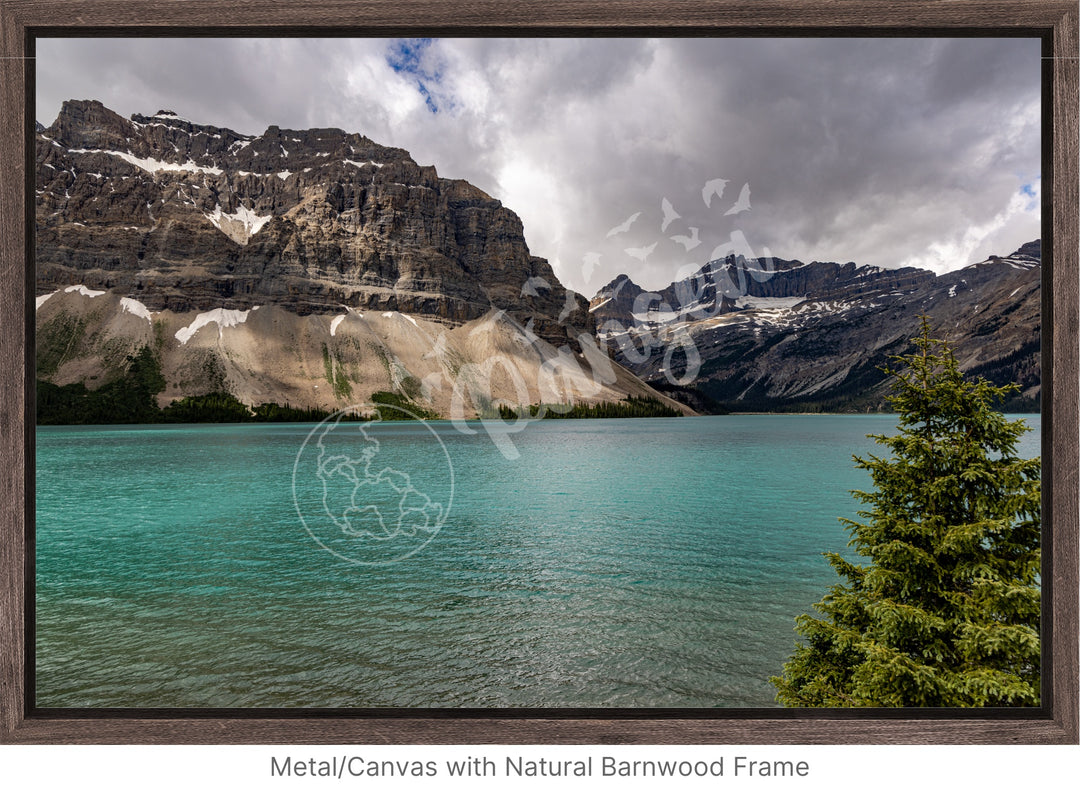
x,y
942,610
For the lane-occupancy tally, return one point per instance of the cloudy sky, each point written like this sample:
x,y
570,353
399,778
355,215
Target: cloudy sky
x,y
632,155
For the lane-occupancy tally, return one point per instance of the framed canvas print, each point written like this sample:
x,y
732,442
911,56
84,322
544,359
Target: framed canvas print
x,y
616,373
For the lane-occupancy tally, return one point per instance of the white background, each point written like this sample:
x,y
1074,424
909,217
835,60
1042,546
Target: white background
x,y
204,772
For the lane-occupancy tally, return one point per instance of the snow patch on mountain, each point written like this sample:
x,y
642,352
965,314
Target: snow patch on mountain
x,y
137,308
153,165
240,225
223,317
83,290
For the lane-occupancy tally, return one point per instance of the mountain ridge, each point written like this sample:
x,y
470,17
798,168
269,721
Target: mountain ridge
x,y
310,219
315,268
768,334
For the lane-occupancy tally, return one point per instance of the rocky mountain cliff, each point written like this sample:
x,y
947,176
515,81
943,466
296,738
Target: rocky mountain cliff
x,y
309,267
182,216
770,334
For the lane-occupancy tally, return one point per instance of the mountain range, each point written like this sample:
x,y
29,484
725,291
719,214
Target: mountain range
x,y
775,335
317,269
308,268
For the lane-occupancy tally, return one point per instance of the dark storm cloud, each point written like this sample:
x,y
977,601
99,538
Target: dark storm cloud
x,y
886,151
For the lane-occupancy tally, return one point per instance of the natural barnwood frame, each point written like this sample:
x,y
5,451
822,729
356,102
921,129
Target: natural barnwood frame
x,y
1054,21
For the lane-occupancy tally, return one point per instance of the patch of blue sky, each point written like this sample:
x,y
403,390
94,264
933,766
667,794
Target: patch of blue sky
x,y
410,57
1030,190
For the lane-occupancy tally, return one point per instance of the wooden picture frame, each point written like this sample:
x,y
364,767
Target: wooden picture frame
x,y
1054,21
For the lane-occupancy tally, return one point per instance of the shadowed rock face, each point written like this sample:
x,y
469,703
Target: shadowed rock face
x,y
783,335
186,217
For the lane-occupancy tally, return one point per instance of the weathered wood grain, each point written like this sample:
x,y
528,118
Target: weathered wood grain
x,y
1055,20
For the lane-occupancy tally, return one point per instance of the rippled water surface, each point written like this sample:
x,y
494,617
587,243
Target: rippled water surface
x,y
613,563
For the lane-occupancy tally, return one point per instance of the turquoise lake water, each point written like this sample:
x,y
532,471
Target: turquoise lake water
x,y
612,563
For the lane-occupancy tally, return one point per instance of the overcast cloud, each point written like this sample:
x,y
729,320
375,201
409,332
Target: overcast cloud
x,y
895,152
